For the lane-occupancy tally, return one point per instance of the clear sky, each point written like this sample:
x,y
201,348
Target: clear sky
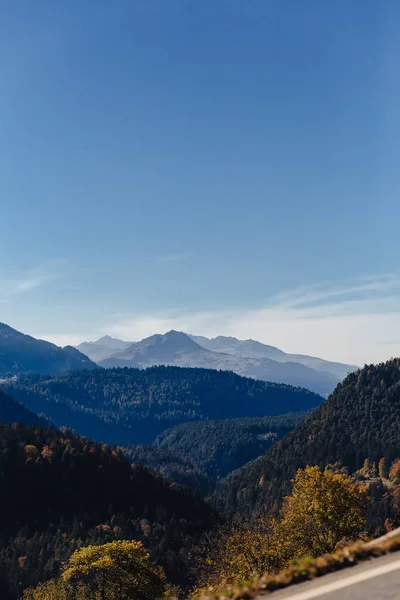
x,y
219,166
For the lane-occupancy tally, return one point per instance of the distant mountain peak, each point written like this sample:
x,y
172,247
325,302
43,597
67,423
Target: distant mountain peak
x,y
107,340
173,334
166,348
102,348
111,342
174,339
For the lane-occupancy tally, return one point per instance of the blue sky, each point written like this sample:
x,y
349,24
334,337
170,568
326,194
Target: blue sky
x,y
196,165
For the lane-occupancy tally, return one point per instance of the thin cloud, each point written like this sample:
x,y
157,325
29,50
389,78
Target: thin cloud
x,y
321,293
34,278
26,285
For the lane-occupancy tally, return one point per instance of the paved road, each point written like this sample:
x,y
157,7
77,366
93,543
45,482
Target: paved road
x,y
375,579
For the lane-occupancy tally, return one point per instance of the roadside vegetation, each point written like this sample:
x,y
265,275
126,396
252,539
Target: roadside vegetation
x,y
326,510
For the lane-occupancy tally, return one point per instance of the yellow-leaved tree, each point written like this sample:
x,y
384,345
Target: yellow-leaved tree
x,y
120,570
49,590
326,509
237,550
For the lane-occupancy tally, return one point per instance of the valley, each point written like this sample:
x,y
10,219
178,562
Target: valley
x,y
199,298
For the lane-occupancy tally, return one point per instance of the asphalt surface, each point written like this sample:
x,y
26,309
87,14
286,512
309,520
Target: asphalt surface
x,y
377,578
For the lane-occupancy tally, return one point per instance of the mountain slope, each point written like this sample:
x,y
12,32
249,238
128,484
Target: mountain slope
x,y
20,353
131,406
178,349
112,343
61,488
218,447
102,348
254,349
12,411
360,420
172,466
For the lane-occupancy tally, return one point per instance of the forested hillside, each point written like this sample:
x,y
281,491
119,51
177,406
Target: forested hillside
x,y
12,411
360,420
60,491
83,493
20,354
221,446
128,406
171,465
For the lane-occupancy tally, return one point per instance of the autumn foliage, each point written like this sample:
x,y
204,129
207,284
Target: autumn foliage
x,y
116,571
325,510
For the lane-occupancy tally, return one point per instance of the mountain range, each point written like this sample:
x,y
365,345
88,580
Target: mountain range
x,y
244,357
254,349
21,354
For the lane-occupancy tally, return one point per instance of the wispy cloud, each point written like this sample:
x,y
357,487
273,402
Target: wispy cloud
x,y
26,285
34,278
343,291
350,321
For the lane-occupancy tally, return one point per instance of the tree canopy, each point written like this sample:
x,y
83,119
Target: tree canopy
x,y
219,446
326,508
119,570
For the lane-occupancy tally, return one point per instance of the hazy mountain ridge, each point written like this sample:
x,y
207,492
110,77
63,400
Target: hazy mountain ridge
x,y
253,349
102,348
179,349
21,354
